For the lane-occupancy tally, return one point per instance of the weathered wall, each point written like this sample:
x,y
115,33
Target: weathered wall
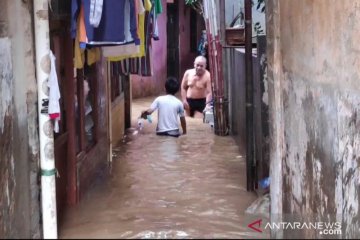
x,y
235,77
237,101
117,119
148,86
19,195
93,163
314,100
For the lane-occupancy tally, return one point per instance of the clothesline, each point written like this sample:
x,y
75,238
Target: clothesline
x,y
119,29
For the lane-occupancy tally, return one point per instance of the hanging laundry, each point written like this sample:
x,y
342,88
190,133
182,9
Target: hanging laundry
x,y
93,54
141,8
127,49
111,28
131,22
141,63
134,65
79,55
146,69
96,7
122,51
145,61
54,94
156,10
83,40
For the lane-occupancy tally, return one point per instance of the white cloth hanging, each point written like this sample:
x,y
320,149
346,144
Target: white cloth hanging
x,y
96,7
54,93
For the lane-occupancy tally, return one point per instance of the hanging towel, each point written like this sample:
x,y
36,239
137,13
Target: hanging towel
x,y
96,7
111,26
81,29
158,7
79,55
54,93
130,48
93,55
141,8
121,50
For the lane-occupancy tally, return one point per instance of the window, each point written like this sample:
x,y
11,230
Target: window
x,y
117,80
86,108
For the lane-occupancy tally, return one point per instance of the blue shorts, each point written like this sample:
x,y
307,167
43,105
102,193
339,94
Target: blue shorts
x,y
172,133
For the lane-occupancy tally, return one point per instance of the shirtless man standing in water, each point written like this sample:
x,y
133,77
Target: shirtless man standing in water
x,y
196,88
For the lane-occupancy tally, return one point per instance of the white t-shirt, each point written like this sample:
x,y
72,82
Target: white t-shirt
x,y
169,110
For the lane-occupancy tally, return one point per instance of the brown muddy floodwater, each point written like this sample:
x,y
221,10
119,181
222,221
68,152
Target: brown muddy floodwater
x,y
193,186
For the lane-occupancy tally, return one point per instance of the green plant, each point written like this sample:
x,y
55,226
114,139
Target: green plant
x,y
189,2
260,5
257,28
197,5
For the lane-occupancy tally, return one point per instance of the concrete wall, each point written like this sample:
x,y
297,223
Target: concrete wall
x,y
314,97
19,153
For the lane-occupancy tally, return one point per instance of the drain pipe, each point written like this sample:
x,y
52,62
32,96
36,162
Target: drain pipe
x,y
47,161
250,132
216,67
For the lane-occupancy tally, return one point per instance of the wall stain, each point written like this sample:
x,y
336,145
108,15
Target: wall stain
x,y
7,177
42,14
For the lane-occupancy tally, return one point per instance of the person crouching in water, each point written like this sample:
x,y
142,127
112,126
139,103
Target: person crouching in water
x,y
169,109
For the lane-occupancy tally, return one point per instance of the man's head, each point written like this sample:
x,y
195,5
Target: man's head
x,y
200,65
172,85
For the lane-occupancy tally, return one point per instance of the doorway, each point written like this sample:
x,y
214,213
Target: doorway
x,y
172,28
61,46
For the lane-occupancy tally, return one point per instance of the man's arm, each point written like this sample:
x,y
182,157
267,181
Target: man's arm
x,y
184,86
183,124
209,92
146,112
149,111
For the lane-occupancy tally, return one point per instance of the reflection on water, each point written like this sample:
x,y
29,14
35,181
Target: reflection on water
x,y
193,186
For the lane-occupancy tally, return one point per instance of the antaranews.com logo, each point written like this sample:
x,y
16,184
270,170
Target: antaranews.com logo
x,y
323,228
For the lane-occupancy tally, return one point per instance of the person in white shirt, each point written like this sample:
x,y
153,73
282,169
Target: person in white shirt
x,y
169,109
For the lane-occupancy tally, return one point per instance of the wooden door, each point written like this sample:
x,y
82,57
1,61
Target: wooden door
x,y
172,40
61,46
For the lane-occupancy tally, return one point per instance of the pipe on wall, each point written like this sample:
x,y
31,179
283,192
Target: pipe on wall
x,y
250,139
211,16
47,158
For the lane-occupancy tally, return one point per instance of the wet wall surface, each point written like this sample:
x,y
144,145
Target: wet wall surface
x,y
315,104
193,186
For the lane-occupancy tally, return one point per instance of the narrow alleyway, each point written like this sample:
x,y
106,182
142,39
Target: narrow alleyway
x,y
193,186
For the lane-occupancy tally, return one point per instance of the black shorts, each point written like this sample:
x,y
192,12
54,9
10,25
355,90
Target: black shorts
x,y
197,104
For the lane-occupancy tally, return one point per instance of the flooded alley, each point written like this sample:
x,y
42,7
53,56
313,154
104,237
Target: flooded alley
x,y
193,186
